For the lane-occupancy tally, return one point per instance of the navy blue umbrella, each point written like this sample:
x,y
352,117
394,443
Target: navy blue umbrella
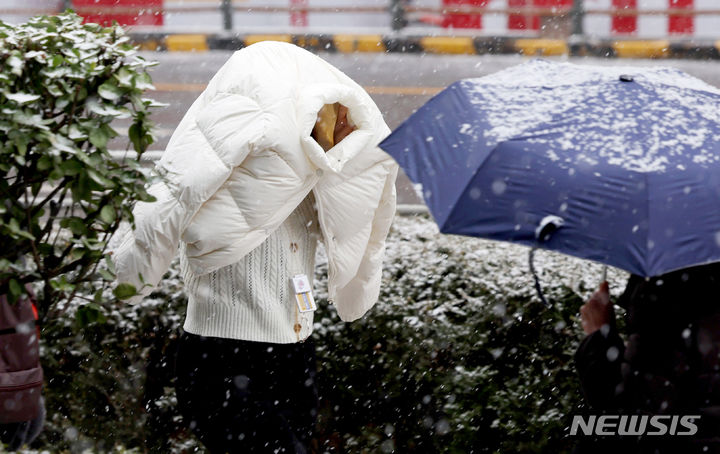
x,y
619,165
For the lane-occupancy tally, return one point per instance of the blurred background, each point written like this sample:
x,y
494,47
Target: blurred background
x,y
550,28
682,19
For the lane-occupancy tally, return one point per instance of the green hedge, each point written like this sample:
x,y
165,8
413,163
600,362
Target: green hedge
x,y
64,88
457,357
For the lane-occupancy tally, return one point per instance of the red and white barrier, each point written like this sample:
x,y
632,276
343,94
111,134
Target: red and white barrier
x,y
512,22
498,17
124,12
652,25
300,18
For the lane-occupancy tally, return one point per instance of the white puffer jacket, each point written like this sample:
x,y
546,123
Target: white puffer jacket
x,y
242,159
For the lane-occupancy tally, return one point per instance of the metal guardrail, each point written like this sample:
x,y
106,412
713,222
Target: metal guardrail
x,y
454,10
398,9
26,11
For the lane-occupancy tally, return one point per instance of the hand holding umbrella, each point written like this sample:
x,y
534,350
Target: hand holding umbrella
x,y
598,310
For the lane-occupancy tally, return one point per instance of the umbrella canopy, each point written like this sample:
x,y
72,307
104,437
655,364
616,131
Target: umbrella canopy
x,y
622,163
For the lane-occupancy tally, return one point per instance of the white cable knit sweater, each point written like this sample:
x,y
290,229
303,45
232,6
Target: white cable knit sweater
x,y
253,299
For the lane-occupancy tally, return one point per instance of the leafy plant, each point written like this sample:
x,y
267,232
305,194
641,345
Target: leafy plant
x,y
64,85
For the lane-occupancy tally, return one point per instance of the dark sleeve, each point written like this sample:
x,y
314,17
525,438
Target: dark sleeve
x,y
597,361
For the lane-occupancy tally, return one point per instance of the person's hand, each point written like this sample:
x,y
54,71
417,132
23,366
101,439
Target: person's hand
x,y
342,125
598,310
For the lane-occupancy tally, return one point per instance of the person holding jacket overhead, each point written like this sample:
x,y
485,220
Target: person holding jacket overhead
x,y
278,151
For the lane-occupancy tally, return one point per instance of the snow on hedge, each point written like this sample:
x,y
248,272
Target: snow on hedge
x,y
457,348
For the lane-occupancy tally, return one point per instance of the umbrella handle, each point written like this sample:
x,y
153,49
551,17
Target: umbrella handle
x,y
538,288
604,274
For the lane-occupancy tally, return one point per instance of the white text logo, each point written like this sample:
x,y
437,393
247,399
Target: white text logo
x,y
635,425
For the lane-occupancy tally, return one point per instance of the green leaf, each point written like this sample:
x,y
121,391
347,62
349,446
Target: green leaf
x,y
75,133
153,104
109,263
81,189
124,291
45,249
22,98
144,82
44,163
99,137
21,142
135,133
100,179
82,93
55,174
88,314
75,225
106,275
54,90
71,167
110,91
36,188
125,77
109,131
14,228
107,214
15,288
15,64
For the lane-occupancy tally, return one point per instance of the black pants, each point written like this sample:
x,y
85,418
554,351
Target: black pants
x,y
247,397
16,435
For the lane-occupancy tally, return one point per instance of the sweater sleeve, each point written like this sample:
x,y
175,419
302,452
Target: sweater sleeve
x,y
598,361
199,159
